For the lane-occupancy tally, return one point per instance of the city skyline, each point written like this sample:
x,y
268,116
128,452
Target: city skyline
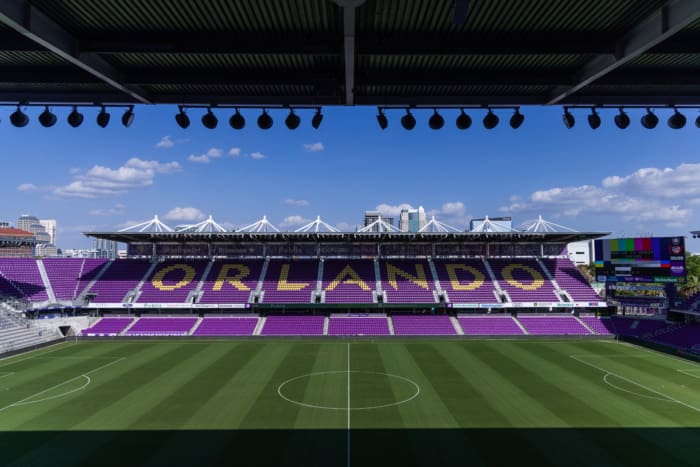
x,y
631,183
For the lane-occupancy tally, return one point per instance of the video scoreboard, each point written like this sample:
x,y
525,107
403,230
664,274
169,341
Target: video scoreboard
x,y
649,259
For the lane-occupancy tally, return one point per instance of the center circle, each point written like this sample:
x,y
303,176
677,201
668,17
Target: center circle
x,y
331,388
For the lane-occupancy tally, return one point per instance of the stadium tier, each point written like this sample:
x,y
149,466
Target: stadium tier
x,y
685,336
524,280
293,326
570,279
407,281
417,325
70,276
108,327
483,325
161,327
358,326
635,327
466,281
290,281
349,281
226,326
172,282
231,282
553,325
120,277
602,326
22,279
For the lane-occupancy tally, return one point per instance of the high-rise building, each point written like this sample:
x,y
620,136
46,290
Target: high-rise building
x,y
4,225
26,221
412,220
373,216
50,227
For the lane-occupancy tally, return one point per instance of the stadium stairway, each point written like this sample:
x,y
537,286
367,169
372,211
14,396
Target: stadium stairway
x,y
133,295
126,329
46,281
494,281
390,322
520,325
561,293
436,278
92,283
259,326
585,325
196,294
326,322
457,326
261,279
196,325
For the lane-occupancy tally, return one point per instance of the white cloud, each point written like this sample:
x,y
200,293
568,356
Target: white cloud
x,y
184,214
212,153
294,221
296,202
257,156
215,152
392,210
100,181
113,211
24,187
346,227
234,152
203,159
649,195
452,213
165,143
74,170
314,147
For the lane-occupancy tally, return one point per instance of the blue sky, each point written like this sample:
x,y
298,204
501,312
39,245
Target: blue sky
x,y
631,182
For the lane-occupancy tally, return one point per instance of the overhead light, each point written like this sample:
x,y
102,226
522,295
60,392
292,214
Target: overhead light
x,y
594,119
490,120
75,118
47,118
622,120
292,121
317,119
677,120
381,119
209,120
436,121
408,121
103,117
650,120
19,118
182,119
697,121
516,119
128,117
463,121
264,120
237,121
568,119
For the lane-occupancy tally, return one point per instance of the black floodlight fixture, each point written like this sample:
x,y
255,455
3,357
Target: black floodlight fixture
x,y
490,120
650,120
436,121
697,122
594,119
264,120
408,121
622,120
292,121
183,121
128,117
568,119
237,121
516,119
75,118
19,118
381,119
317,119
463,121
47,118
677,120
103,117
209,120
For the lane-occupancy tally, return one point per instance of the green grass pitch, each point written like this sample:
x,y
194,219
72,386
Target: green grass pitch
x,y
282,402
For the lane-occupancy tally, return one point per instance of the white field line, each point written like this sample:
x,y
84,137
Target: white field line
x,y
660,354
84,375
32,356
6,374
348,463
605,379
636,383
690,372
63,394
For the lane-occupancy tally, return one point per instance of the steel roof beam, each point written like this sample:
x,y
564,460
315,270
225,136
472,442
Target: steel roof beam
x,y
349,7
659,26
27,20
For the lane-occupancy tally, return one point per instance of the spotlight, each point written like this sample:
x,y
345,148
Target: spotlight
x,y
103,117
264,121
490,120
677,120
697,121
594,119
568,118
46,118
436,121
182,119
292,121
622,120
649,120
209,120
75,118
408,121
382,120
516,119
317,119
463,121
19,118
237,121
128,117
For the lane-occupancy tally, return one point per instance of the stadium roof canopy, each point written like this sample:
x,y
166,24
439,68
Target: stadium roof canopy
x,y
351,52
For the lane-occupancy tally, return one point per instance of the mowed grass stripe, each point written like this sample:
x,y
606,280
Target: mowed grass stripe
x,y
327,389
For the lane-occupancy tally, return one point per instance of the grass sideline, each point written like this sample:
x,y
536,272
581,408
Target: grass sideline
x,y
412,402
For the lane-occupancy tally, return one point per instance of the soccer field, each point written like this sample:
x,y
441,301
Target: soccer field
x,y
333,402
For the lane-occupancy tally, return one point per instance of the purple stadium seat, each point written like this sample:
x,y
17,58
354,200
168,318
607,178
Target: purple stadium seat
x,y
348,281
524,280
172,281
489,325
290,281
358,326
466,281
423,325
293,326
555,325
231,281
405,281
